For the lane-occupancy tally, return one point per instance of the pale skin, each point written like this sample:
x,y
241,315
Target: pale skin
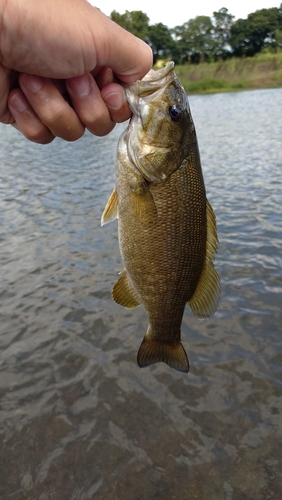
x,y
60,61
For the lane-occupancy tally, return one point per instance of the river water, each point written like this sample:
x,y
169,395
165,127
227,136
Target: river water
x,y
78,419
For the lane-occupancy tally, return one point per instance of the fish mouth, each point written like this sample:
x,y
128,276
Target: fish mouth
x,y
155,75
152,82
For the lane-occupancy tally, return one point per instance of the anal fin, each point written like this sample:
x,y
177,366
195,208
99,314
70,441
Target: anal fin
x,y
123,292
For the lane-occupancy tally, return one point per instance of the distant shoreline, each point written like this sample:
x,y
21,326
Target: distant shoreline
x,y
259,72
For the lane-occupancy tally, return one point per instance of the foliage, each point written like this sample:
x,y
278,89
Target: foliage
x,y
136,22
278,38
206,85
195,40
222,22
161,42
261,71
260,29
205,39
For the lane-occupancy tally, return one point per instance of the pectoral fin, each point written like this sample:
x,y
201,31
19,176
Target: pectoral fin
x,y
174,355
123,292
204,300
143,207
111,209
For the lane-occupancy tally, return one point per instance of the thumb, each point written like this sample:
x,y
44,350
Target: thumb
x,y
129,57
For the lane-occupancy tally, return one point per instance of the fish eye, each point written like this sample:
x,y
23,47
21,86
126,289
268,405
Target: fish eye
x,y
175,113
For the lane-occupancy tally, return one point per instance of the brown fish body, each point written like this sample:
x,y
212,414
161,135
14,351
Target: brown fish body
x,y
167,230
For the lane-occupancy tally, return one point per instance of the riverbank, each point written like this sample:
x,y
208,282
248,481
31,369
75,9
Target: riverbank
x,y
261,71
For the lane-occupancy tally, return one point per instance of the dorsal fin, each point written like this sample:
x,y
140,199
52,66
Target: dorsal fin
x,y
204,300
123,292
111,209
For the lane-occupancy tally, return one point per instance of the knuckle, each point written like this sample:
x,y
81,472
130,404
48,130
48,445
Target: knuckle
x,y
63,122
96,119
53,113
38,136
100,130
71,135
99,122
93,112
121,116
6,118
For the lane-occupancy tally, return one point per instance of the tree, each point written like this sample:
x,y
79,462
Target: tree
x,y
249,36
195,40
160,41
278,39
135,21
222,22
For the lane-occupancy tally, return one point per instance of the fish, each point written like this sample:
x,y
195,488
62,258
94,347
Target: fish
x,y
166,226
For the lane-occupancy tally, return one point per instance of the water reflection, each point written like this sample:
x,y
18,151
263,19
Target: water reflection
x,y
79,419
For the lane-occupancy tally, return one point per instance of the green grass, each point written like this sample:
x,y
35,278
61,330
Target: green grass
x,y
205,85
261,71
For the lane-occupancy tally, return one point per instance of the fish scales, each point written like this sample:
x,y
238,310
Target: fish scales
x,y
167,230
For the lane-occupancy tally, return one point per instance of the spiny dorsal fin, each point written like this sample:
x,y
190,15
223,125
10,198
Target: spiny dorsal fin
x,y
111,209
204,300
174,355
123,292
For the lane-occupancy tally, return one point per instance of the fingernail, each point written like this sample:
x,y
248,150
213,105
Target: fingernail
x,y
18,103
80,85
32,83
114,100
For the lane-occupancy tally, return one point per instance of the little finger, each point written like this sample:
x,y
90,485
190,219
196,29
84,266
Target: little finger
x,y
26,120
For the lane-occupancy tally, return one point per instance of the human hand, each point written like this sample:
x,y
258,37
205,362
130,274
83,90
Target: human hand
x,y
58,64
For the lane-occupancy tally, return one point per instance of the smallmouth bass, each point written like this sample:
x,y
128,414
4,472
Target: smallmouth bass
x,y
166,226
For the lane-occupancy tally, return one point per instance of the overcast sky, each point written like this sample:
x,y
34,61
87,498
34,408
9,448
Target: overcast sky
x,y
176,12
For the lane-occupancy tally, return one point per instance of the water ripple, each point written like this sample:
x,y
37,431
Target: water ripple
x,y
78,419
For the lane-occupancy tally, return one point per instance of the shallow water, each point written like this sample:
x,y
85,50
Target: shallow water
x,y
78,419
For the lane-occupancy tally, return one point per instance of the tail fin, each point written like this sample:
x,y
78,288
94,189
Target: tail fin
x,y
174,355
